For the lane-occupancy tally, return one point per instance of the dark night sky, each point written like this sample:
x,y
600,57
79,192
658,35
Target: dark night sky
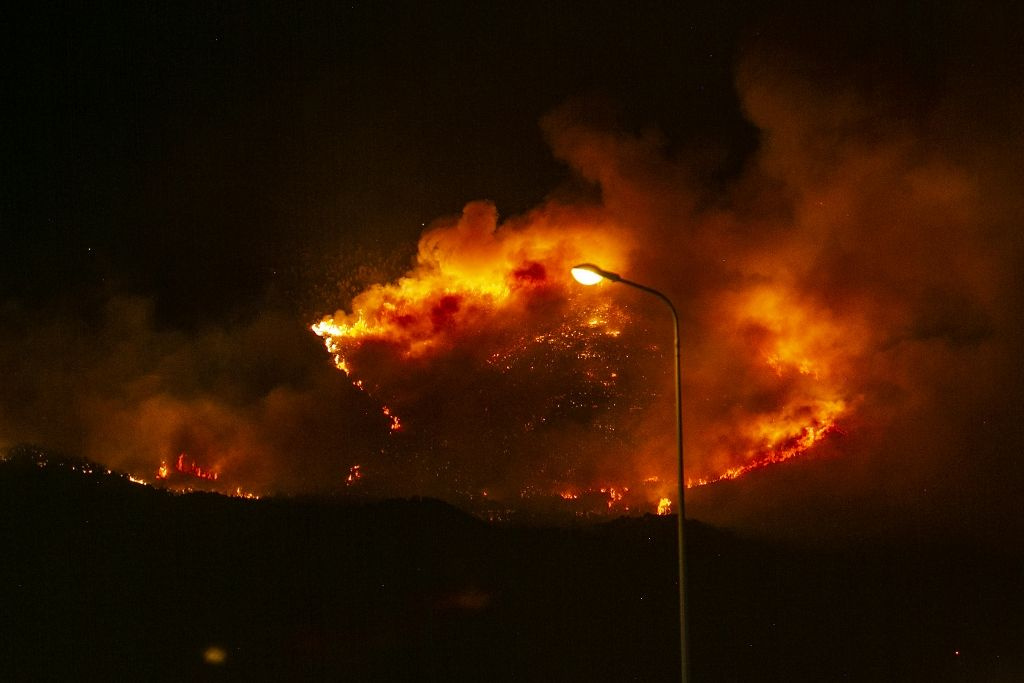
x,y
184,185
203,152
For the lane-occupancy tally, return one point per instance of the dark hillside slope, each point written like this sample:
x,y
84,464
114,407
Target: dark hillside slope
x,y
106,579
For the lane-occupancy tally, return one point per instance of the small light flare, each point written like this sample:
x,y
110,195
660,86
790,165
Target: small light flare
x,y
215,655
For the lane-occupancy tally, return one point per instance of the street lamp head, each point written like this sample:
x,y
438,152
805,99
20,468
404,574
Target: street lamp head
x,y
589,274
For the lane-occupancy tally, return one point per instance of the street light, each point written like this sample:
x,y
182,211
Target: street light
x,y
589,274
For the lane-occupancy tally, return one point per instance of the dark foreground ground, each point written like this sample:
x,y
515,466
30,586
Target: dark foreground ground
x,y
107,580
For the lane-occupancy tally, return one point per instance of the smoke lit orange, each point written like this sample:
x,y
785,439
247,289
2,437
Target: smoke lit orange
x,y
490,291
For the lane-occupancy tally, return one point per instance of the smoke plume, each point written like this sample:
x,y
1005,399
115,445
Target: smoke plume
x,y
849,301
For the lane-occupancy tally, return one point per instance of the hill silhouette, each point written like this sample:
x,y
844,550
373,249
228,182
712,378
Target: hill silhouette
x,y
105,579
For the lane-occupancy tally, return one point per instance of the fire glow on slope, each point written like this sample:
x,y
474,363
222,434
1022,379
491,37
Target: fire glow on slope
x,y
188,467
794,391
464,273
186,473
497,303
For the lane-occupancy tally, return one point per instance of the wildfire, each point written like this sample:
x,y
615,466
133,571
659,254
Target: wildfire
x,y
614,494
464,272
790,448
186,465
495,302
396,422
607,500
807,352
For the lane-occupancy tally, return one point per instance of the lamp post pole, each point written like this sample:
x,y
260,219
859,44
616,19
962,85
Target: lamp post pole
x,y
589,274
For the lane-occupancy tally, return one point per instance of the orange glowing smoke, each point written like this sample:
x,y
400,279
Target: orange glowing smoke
x,y
498,298
465,272
775,452
793,359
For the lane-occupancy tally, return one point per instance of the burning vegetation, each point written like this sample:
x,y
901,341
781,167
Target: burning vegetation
x,y
188,468
857,276
505,372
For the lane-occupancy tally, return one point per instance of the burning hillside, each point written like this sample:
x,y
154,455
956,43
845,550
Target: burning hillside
x,y
848,287
509,377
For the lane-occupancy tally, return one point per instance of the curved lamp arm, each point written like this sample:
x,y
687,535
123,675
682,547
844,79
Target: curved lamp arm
x,y
589,274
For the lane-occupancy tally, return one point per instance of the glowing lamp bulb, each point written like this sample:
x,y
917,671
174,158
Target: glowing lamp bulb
x,y
587,274
586,277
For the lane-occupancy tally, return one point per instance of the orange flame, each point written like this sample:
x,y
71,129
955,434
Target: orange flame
x,y
791,447
464,271
396,422
471,276
185,465
614,494
808,352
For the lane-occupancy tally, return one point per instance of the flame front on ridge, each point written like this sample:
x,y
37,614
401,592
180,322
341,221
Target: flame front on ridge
x,y
493,312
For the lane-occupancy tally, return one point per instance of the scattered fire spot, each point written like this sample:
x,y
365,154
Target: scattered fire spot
x,y
396,422
187,466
